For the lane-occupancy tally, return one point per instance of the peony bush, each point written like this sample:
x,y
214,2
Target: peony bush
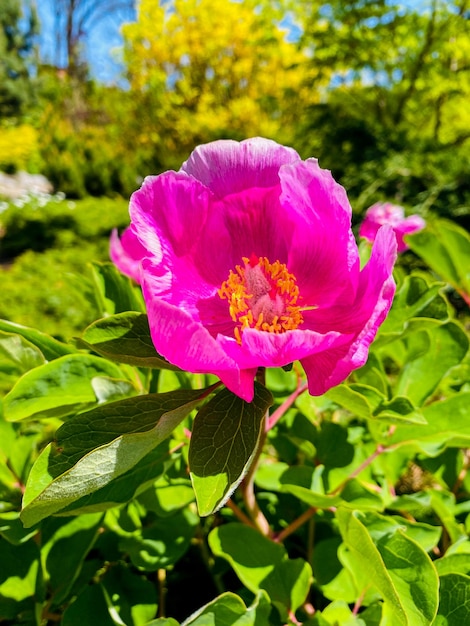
x,y
255,430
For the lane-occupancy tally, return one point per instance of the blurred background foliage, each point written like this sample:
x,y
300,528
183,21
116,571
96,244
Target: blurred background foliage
x,y
378,91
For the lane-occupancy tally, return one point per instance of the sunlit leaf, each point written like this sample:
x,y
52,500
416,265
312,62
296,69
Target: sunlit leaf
x,y
21,352
445,247
50,347
422,373
262,564
125,338
230,610
114,292
58,388
448,424
395,566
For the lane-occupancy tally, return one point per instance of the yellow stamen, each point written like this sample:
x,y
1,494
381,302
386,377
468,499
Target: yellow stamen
x,y
262,295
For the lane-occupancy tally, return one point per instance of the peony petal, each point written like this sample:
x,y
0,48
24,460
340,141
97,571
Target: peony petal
x,y
376,291
127,253
168,213
230,200
382,213
227,166
187,344
325,252
266,349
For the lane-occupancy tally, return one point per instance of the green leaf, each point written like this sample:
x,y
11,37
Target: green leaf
x,y
19,575
230,610
131,599
262,564
50,347
395,566
420,376
448,425
414,298
359,400
65,545
114,291
89,607
453,564
368,403
317,500
125,338
445,247
224,440
127,486
101,445
399,410
454,602
161,542
58,388
21,352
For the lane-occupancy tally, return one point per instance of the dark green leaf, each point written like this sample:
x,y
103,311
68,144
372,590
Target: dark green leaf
x,y
130,597
89,607
161,542
65,545
454,601
224,440
19,574
125,338
100,446
126,486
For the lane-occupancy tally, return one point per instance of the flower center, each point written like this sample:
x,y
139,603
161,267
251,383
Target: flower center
x,y
262,295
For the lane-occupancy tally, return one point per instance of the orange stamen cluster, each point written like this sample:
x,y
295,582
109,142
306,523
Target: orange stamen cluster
x,y
262,295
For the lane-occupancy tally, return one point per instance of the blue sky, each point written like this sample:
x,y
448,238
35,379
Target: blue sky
x,y
103,42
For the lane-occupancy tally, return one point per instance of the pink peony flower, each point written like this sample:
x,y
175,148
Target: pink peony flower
x,y
382,213
246,259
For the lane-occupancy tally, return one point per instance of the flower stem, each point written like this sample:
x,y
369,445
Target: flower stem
x,y
293,526
380,449
240,514
288,402
248,490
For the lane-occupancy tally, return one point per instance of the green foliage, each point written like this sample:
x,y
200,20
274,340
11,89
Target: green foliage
x,y
78,232
17,54
164,498
150,485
